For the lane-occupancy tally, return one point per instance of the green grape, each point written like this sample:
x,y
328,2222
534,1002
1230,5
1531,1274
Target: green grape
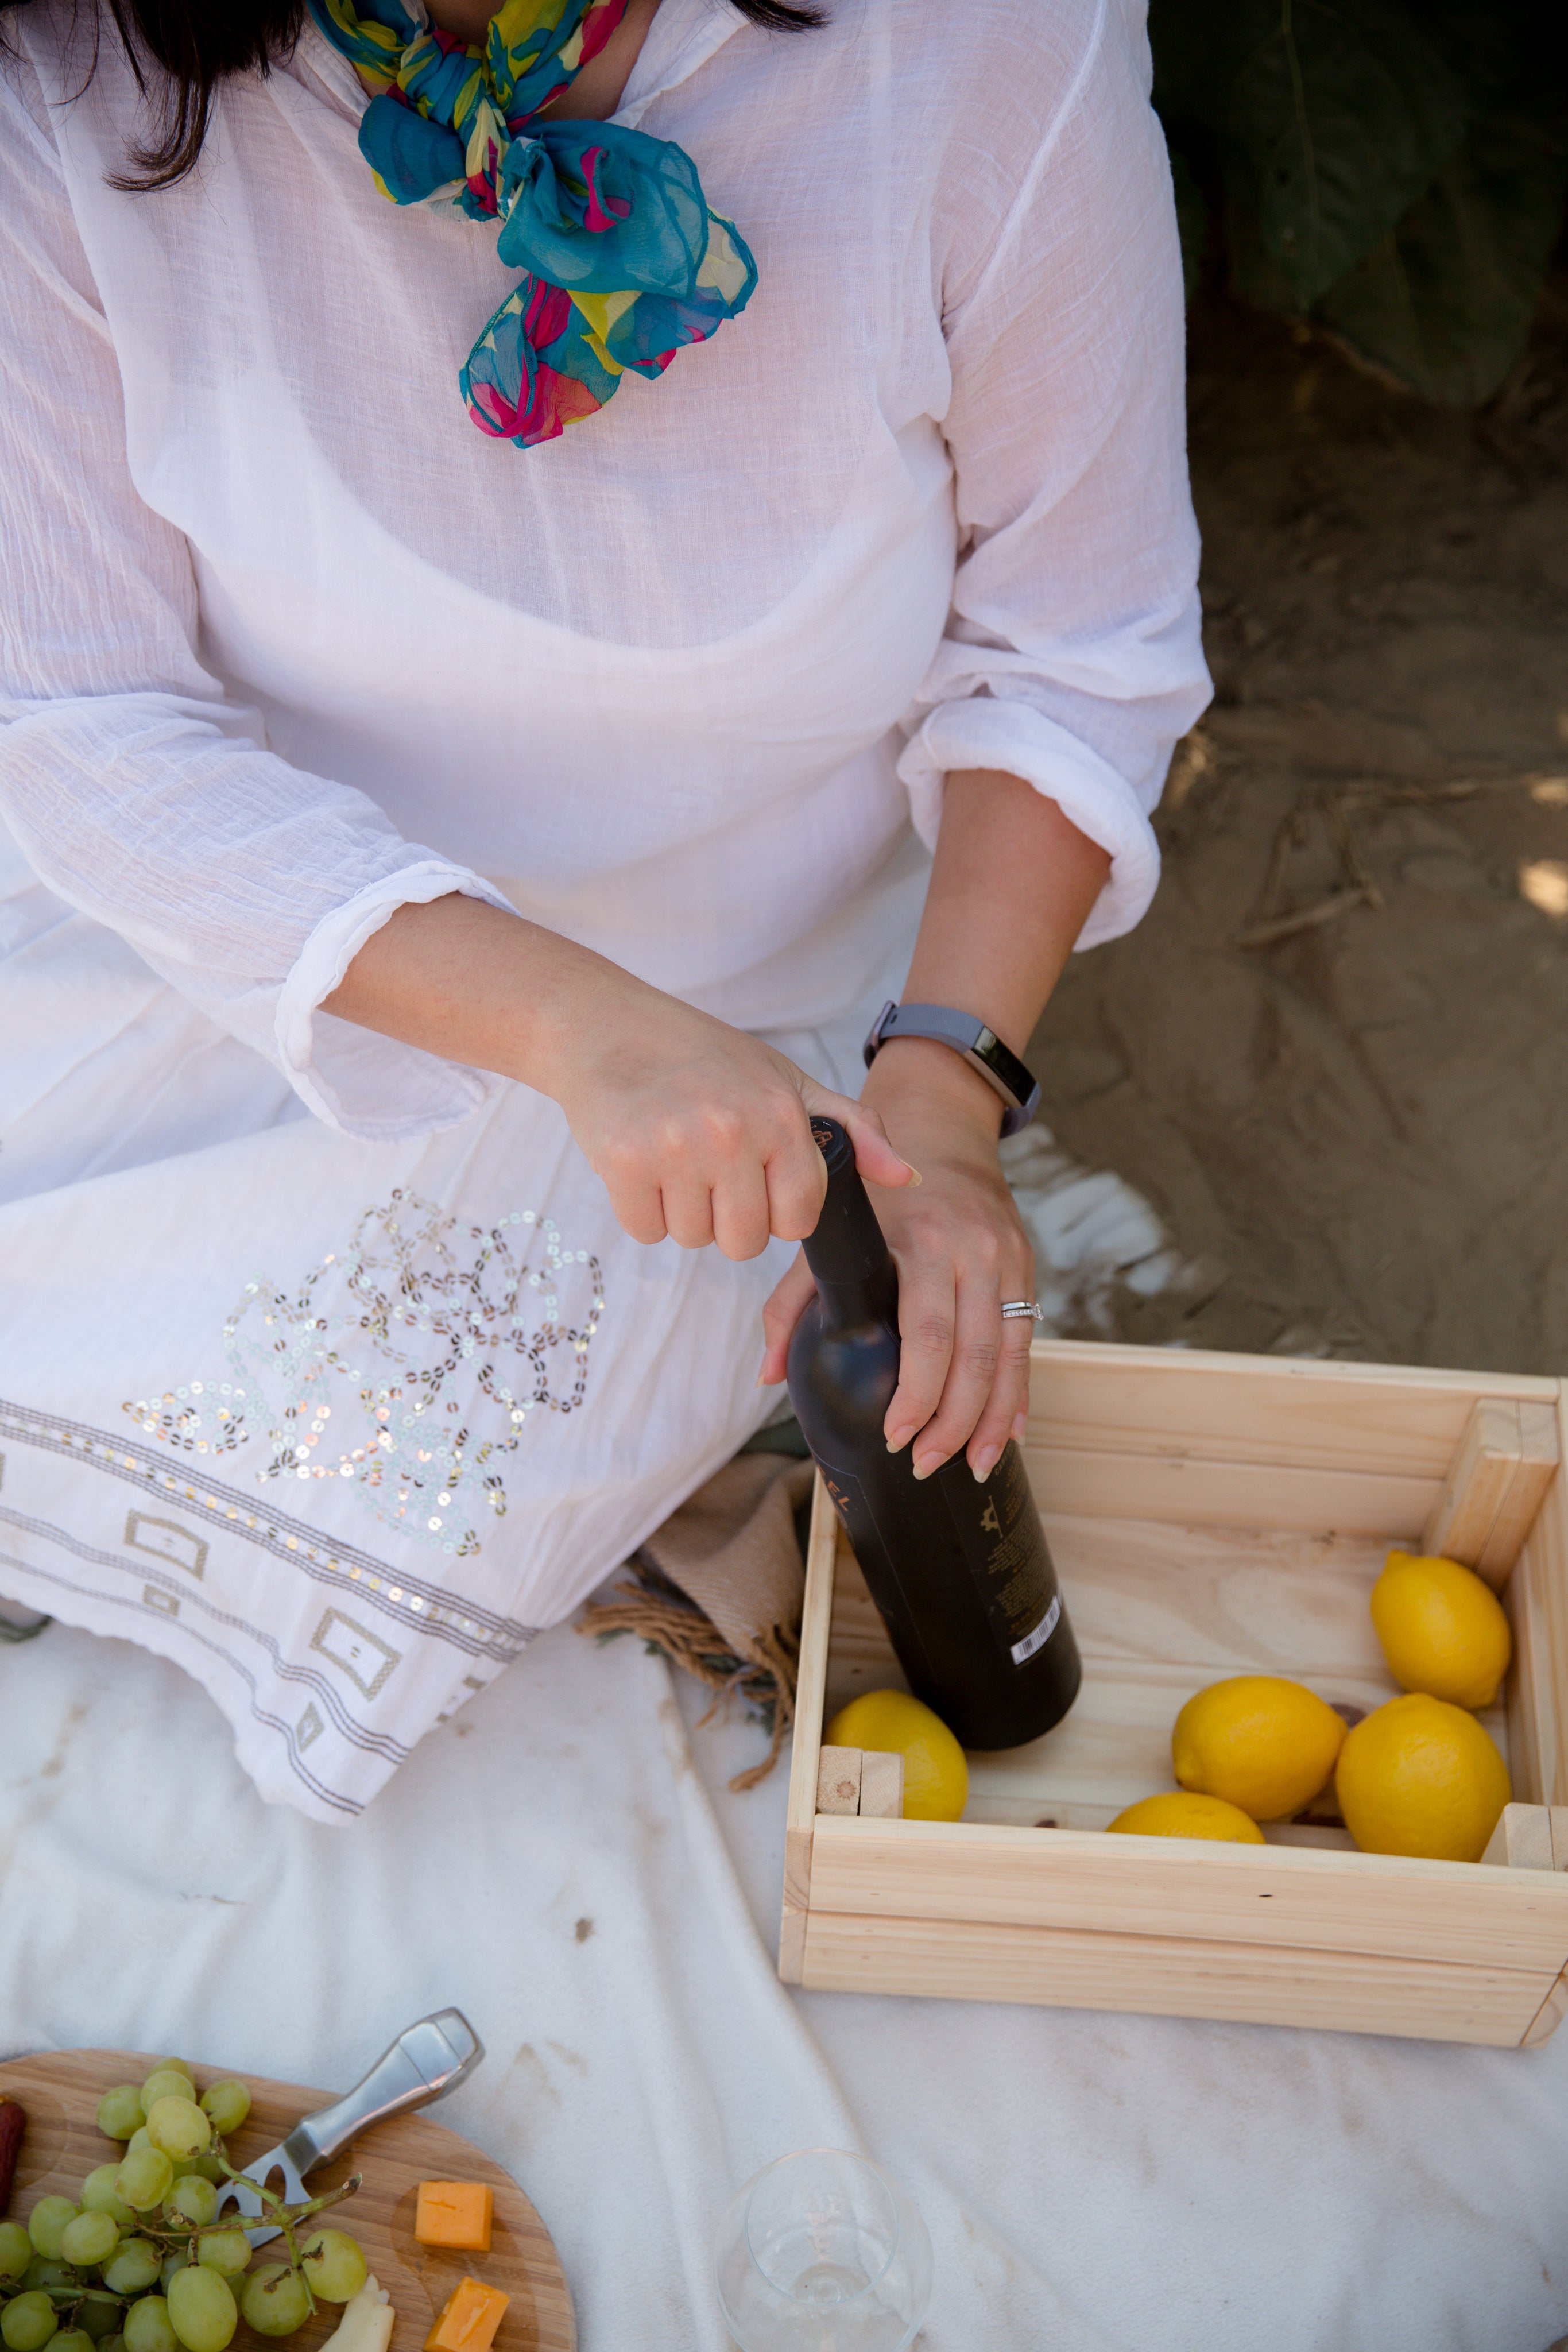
x,y
72,2339
98,2316
115,2343
139,2137
202,2310
27,2321
166,2083
211,2168
175,2066
144,2179
133,2269
98,2195
47,2224
334,2265
227,2250
15,2250
147,2327
193,2199
42,2272
120,2112
172,2265
90,2238
179,2127
276,2300
228,2103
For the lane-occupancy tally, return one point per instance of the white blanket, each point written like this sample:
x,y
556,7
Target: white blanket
x,y
563,1862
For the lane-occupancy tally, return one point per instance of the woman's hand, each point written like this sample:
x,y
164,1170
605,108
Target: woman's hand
x,y
702,1132
698,1130
961,1249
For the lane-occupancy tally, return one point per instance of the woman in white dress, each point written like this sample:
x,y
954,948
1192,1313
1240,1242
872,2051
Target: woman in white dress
x,y
440,868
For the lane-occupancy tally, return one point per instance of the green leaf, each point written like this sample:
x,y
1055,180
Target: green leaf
x,y
1446,300
1338,118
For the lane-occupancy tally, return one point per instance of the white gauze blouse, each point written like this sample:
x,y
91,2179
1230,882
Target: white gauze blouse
x,y
285,641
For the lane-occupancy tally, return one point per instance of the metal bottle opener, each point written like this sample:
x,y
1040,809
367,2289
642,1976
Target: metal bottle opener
x,y
427,2060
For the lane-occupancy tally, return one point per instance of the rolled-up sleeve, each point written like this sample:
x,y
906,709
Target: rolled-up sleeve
x,y
136,789
1073,654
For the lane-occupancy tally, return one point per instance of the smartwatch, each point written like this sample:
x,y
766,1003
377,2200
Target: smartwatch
x,y
981,1046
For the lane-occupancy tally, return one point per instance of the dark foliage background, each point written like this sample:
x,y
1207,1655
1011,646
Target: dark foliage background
x,y
1396,172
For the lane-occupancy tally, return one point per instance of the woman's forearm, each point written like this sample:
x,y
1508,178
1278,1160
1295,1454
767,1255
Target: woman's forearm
x,y
698,1130
470,981
1013,883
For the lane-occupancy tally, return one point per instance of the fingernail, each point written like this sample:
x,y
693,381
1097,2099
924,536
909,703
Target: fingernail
x,y
899,1440
926,1463
762,1381
914,1173
1020,1427
984,1462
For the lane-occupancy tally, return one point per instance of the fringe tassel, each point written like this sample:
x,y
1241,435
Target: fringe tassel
x,y
657,1611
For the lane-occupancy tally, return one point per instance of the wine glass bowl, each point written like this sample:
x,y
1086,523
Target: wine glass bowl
x,y
821,2251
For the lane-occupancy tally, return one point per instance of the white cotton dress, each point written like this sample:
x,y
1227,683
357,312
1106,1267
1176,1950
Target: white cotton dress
x,y
324,1368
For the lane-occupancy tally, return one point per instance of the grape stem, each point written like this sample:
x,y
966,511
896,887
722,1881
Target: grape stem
x,y
284,2218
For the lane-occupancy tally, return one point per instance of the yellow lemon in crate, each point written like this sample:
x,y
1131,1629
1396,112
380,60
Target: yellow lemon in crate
x,y
1419,1776
1260,1742
1442,1629
935,1777
1179,1813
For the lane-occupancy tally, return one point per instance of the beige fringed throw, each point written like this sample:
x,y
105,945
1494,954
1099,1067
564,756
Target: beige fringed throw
x,y
719,1589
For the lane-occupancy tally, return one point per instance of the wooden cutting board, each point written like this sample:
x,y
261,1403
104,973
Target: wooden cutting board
x,y
60,2091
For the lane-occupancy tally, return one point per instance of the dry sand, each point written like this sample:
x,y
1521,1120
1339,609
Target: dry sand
x,y
1355,1139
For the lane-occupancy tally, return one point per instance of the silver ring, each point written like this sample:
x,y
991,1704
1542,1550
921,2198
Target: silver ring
x,y
1013,1309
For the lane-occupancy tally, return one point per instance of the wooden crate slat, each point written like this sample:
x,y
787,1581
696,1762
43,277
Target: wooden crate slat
x,y
1548,2016
1536,1600
1259,1409
1192,1488
1319,1900
811,1686
1522,1838
1499,1480
1252,1984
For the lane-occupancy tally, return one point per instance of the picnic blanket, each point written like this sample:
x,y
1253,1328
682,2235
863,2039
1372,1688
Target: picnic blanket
x,y
565,1861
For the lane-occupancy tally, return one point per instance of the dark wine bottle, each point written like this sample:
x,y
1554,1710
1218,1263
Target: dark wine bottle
x,y
960,1572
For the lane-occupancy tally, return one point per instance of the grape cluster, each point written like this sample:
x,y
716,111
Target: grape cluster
x,y
144,2262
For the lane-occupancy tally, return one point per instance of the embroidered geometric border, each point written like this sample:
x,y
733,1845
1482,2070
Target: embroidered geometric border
x,y
416,1606
172,1603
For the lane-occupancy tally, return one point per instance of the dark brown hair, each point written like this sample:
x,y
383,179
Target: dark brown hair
x,y
195,45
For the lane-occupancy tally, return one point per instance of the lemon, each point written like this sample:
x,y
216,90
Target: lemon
x,y
1442,1629
1179,1813
1260,1742
935,1777
1419,1776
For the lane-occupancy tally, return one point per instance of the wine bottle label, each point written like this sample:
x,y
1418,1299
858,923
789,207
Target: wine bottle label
x,y
1005,1546
1021,1651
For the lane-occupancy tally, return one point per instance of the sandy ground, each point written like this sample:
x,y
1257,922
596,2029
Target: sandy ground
x,y
1353,1141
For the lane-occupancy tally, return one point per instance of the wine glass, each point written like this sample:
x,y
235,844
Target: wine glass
x,y
822,2252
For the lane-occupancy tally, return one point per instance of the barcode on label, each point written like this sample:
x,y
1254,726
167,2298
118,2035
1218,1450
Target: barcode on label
x,y
1024,1650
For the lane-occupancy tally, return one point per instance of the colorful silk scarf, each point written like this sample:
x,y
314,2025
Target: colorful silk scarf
x,y
623,261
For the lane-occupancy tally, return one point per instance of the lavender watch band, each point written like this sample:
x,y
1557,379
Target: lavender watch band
x,y
981,1046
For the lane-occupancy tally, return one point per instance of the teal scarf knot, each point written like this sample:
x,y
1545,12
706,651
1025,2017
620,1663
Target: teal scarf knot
x,y
623,263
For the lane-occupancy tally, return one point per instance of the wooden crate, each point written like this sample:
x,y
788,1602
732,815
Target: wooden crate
x,y
1216,1515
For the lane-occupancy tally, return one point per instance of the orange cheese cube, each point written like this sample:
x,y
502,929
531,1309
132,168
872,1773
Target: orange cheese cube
x,y
454,2213
469,2318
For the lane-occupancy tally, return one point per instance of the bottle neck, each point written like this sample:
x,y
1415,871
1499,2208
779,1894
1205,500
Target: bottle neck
x,y
848,1254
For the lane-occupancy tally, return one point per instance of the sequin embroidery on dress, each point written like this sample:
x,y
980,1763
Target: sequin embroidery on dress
x,y
405,1363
